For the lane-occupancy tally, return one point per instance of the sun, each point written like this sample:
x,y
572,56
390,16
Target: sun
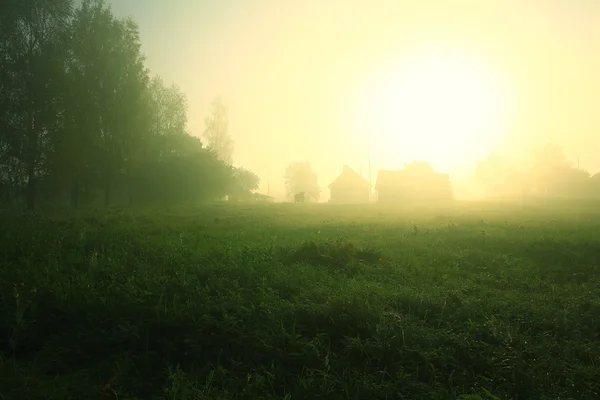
x,y
439,106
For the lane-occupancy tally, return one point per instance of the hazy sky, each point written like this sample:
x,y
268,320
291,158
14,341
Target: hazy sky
x,y
299,76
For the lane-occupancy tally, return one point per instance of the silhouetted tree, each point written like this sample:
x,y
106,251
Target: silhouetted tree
x,y
299,177
552,175
217,131
244,182
169,116
79,114
33,45
187,173
107,109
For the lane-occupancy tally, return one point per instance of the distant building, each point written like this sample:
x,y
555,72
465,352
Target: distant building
x,y
350,187
595,185
262,198
418,182
251,197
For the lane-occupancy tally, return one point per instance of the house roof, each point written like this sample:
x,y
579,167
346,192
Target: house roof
x,y
349,178
262,196
387,178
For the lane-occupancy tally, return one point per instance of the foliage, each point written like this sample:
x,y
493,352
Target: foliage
x,y
79,114
217,131
244,182
33,42
299,177
548,174
477,301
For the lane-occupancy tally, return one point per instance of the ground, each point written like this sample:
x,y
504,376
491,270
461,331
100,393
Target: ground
x,y
302,301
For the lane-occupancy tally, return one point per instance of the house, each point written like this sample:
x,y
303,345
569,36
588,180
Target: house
x,y
417,182
594,185
253,197
262,198
349,187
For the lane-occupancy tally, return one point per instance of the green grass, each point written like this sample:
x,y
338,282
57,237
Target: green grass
x,y
285,301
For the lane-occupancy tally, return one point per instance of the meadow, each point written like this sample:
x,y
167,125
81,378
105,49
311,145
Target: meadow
x,y
302,301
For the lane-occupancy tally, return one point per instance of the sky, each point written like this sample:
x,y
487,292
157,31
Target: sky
x,y
334,81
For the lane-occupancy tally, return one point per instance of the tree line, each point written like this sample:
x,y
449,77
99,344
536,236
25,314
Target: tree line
x,y
546,173
81,118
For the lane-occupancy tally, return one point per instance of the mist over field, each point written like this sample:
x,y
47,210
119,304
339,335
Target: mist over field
x,y
299,200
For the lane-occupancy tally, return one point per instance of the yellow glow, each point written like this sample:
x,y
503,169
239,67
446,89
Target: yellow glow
x,y
438,106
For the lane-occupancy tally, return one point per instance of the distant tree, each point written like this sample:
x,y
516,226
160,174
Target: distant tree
x,y
552,175
299,177
169,116
244,182
549,156
186,172
168,132
217,131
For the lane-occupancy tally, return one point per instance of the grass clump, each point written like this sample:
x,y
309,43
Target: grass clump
x,y
339,253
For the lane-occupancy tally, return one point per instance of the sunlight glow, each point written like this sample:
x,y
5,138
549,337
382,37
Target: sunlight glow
x,y
437,106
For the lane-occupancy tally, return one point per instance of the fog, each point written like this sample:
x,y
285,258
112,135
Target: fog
x,y
297,76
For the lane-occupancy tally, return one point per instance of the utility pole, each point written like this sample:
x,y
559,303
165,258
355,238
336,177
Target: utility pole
x,y
370,179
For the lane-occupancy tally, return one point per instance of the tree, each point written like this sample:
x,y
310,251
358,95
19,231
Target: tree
x,y
79,114
168,131
217,131
187,173
169,116
243,183
299,177
552,175
111,81
549,156
33,42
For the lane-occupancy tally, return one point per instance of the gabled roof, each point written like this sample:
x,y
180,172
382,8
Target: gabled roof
x,y
262,196
387,178
349,178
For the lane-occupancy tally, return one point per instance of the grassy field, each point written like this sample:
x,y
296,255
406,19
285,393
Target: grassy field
x,y
285,301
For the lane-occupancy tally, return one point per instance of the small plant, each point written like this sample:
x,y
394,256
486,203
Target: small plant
x,y
338,253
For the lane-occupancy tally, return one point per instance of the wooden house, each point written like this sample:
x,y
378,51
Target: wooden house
x,y
349,187
418,182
